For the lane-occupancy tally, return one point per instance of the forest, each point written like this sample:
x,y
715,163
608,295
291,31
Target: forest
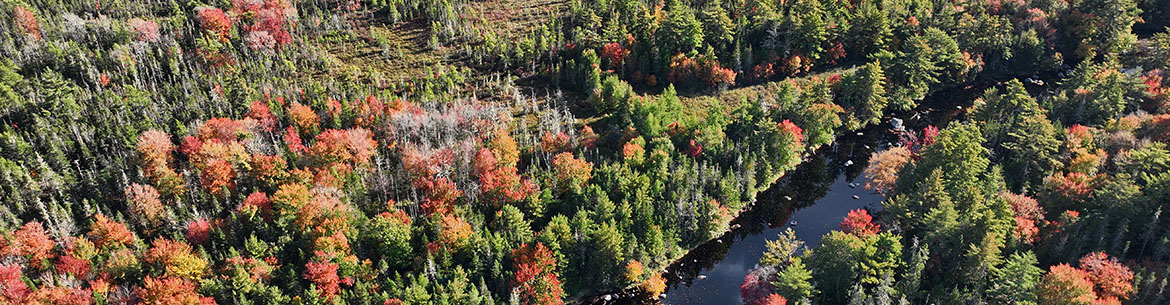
x,y
549,152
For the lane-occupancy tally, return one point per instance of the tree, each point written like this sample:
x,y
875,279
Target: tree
x,y
439,194
390,233
32,243
108,233
1065,285
1015,282
1098,27
634,271
169,291
454,232
883,168
958,152
863,94
1032,147
323,275
654,286
215,22
858,222
176,258
571,172
794,281
534,280
755,287
144,205
681,31
1110,278
199,231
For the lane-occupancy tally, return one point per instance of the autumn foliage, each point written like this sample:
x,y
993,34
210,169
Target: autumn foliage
x,y
571,171
860,223
883,168
535,280
699,70
1110,278
169,291
1065,284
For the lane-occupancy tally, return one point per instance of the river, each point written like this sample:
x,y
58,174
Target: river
x,y
812,200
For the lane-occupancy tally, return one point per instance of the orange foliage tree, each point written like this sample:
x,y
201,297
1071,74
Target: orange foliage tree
x,y
1065,284
176,258
32,243
169,291
883,168
570,171
108,233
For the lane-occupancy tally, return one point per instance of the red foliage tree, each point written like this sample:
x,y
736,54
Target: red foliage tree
x,y
614,54
12,289
860,223
292,140
588,137
108,233
756,287
694,149
535,279
222,129
32,243
439,194
260,112
354,146
266,18
691,71
144,30
484,161
71,264
774,299
1111,278
199,231
554,143
1068,191
168,291
505,185
257,201
324,275
1028,214
795,131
